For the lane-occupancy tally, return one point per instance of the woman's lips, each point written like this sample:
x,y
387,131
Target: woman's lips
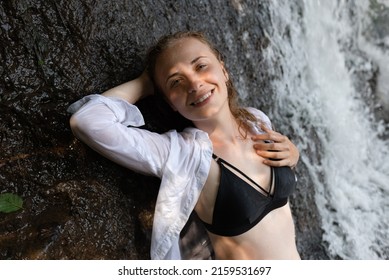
x,y
202,99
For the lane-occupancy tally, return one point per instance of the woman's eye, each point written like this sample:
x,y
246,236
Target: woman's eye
x,y
201,66
174,83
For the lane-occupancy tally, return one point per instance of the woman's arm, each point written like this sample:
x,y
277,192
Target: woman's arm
x,y
133,90
107,123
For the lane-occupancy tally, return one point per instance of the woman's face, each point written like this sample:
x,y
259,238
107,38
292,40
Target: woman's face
x,y
192,79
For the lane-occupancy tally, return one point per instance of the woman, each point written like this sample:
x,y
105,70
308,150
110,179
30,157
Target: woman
x,y
239,192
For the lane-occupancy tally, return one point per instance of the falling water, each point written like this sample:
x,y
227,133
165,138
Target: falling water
x,y
329,52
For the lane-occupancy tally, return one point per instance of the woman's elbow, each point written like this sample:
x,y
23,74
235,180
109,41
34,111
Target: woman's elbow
x,y
89,128
77,125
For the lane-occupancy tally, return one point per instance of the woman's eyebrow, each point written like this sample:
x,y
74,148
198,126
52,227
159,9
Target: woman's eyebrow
x,y
196,59
192,62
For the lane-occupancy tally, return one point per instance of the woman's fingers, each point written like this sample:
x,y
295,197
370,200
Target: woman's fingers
x,y
273,155
271,146
275,148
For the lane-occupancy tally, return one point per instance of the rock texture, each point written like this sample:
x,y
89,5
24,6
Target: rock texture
x,y
78,205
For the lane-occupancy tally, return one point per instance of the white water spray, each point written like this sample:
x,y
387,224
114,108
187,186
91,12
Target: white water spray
x,y
308,42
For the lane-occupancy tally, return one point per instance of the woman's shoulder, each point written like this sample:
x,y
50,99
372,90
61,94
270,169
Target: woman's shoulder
x,y
193,133
260,116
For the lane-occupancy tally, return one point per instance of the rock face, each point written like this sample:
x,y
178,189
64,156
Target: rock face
x,y
78,205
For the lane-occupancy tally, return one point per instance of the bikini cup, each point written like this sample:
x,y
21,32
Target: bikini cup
x,y
239,206
285,181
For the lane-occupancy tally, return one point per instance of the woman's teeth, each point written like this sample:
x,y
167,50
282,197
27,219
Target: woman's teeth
x,y
204,97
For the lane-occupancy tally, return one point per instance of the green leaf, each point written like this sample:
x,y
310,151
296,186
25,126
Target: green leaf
x,y
10,202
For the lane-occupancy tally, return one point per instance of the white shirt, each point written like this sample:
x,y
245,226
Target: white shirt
x,y
181,160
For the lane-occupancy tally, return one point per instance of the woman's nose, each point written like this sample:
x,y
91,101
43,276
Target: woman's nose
x,y
194,84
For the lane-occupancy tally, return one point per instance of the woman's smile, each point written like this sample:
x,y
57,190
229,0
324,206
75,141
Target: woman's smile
x,y
202,99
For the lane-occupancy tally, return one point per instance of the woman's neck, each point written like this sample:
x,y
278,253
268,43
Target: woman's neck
x,y
222,129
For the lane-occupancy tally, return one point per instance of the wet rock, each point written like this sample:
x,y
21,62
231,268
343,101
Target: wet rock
x,y
78,205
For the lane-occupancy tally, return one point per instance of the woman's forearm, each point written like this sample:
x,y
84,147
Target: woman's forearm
x,y
133,90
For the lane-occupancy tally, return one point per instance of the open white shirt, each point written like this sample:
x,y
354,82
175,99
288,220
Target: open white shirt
x,y
182,160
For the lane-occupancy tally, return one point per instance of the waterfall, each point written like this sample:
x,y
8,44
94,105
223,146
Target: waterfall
x,y
325,58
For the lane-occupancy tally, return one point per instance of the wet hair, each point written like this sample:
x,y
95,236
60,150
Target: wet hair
x,y
241,115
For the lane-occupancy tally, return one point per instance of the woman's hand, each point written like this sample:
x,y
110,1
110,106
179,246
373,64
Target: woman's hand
x,y
133,90
276,148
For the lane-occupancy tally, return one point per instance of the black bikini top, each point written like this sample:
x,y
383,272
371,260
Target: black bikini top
x,y
241,203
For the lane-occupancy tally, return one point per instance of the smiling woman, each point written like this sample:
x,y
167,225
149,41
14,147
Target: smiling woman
x,y
231,168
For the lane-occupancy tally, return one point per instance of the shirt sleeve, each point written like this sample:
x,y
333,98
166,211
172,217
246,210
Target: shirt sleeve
x,y
103,124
